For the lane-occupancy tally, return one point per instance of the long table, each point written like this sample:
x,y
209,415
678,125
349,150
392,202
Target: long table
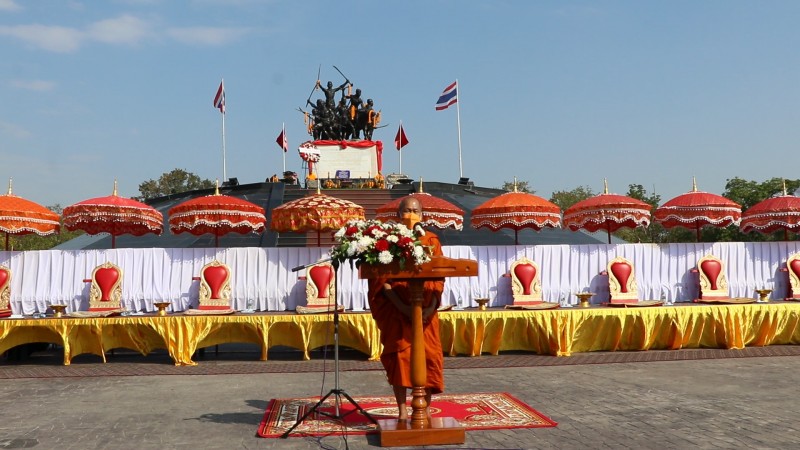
x,y
559,332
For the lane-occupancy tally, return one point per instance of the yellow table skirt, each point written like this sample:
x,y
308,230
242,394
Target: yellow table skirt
x,y
558,332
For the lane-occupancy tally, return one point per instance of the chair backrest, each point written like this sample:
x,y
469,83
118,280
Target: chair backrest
x,y
622,281
526,286
713,282
320,286
105,293
215,286
5,291
793,266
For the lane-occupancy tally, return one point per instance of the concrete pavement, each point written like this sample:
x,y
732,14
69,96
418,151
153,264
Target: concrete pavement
x,y
717,403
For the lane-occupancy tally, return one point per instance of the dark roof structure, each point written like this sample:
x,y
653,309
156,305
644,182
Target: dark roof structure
x,y
271,195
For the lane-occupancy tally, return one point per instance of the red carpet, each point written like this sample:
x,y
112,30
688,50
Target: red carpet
x,y
482,411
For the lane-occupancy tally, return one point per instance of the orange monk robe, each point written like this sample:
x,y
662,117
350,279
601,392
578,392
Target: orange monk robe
x,y
395,328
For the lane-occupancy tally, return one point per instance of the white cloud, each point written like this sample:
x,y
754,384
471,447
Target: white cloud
x,y
52,38
206,35
9,5
125,29
33,85
15,131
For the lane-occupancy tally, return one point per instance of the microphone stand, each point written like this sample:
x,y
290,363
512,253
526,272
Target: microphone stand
x,y
337,392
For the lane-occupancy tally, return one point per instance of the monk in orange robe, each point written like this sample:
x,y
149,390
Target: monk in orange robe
x,y
390,304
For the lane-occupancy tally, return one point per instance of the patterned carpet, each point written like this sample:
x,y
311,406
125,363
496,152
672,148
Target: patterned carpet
x,y
233,359
474,411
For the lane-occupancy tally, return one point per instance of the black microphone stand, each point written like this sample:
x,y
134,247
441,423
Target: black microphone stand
x,y
337,392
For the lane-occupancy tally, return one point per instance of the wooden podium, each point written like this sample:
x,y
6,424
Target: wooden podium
x,y
419,430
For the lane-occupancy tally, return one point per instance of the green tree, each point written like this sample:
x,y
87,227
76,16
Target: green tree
x,y
174,182
522,186
565,199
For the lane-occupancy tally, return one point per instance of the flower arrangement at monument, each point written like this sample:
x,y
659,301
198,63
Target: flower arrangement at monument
x,y
373,242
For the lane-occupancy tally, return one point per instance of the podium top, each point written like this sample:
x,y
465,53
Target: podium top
x,y
438,267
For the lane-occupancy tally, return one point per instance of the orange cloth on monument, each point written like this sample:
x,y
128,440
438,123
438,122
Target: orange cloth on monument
x,y
395,328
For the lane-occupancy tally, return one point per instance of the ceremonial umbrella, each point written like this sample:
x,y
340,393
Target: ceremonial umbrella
x,y
218,215
608,212
436,212
773,214
696,209
516,210
114,215
19,216
316,212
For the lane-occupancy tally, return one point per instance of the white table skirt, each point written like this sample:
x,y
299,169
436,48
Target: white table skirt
x,y
264,274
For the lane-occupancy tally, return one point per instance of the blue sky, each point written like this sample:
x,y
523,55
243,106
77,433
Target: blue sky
x,y
559,94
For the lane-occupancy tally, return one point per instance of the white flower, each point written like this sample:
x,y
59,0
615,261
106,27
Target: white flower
x,y
351,250
392,238
340,233
385,257
366,242
419,251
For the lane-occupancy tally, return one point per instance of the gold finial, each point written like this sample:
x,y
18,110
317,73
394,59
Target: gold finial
x,y
420,185
784,186
515,184
605,185
10,182
319,192
115,188
694,184
216,186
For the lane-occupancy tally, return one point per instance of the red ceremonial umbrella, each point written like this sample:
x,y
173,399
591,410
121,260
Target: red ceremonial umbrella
x,y
19,216
316,212
218,215
114,215
608,212
773,214
696,209
436,212
516,210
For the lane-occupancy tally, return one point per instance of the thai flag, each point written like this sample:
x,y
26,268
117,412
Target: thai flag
x,y
448,97
219,99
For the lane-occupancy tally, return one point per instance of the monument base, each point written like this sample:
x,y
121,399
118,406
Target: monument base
x,y
440,431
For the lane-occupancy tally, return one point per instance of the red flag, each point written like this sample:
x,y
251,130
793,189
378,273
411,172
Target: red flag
x,y
219,99
400,140
282,142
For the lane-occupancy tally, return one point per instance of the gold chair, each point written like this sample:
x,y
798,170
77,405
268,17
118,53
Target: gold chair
x,y
622,281
320,286
5,291
105,293
713,282
526,286
215,286
793,267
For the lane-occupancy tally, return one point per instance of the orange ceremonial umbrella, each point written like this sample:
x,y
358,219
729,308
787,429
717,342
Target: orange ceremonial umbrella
x,y
114,215
773,214
316,212
218,215
608,212
19,216
436,212
696,209
516,210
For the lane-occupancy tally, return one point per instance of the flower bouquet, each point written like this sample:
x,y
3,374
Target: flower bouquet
x,y
372,242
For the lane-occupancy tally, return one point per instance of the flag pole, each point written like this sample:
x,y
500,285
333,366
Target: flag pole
x,y
458,119
401,147
224,168
283,144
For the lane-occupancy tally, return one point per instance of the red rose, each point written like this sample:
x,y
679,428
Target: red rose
x,y
405,241
351,231
382,245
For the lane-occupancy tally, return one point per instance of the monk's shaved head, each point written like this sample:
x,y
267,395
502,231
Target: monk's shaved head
x,y
409,205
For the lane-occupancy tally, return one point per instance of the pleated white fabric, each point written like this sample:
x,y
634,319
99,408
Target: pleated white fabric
x,y
264,276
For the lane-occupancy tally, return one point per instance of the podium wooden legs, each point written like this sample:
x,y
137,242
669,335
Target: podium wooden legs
x,y
419,430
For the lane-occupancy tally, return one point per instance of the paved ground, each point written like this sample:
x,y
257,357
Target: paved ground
x,y
743,400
